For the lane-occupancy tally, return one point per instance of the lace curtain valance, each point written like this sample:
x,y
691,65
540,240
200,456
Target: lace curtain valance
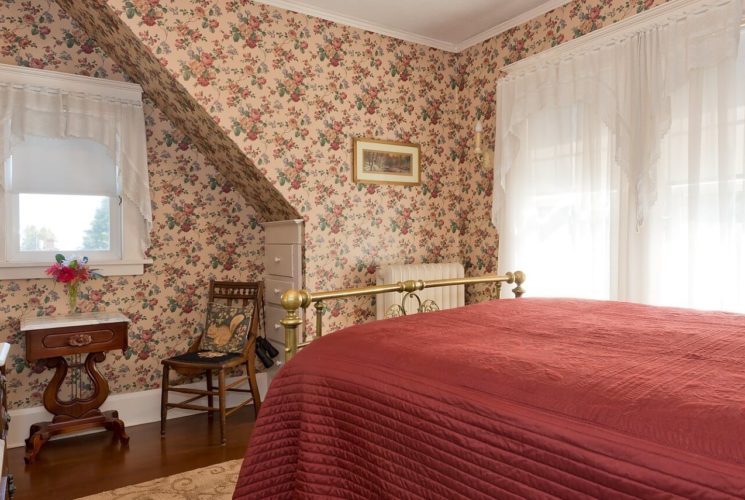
x,y
625,77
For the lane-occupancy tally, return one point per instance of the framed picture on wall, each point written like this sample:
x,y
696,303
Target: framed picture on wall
x,y
385,162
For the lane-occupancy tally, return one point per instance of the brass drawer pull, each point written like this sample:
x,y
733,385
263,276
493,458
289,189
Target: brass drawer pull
x,y
79,340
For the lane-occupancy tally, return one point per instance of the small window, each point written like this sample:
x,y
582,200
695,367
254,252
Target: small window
x,y
61,198
73,173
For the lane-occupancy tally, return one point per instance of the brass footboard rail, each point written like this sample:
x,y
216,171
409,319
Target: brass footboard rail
x,y
293,300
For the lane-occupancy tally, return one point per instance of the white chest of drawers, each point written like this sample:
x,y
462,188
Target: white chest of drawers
x,y
283,263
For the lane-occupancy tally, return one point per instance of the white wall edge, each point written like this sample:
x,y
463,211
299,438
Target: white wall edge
x,y
135,408
354,22
447,46
509,24
67,82
16,271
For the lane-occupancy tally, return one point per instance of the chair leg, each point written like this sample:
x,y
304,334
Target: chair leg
x,y
164,400
221,389
210,399
251,374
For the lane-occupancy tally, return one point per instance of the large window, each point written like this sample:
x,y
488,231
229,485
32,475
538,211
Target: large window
x,y
621,163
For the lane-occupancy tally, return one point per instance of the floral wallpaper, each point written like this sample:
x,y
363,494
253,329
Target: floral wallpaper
x,y
202,228
287,92
292,91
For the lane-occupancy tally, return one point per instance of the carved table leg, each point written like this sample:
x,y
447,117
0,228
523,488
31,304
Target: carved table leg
x,y
35,441
116,425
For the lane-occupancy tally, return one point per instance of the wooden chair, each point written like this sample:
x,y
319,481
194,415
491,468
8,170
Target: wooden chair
x,y
190,363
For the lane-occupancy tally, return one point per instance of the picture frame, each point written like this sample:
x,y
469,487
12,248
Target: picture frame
x,y
376,161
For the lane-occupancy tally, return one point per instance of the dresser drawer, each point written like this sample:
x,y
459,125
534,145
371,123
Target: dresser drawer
x,y
284,232
281,260
50,343
275,288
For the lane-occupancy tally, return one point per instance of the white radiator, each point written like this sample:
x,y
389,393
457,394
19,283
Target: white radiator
x,y
445,297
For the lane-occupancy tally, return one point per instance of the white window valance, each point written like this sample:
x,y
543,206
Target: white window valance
x,y
625,75
36,103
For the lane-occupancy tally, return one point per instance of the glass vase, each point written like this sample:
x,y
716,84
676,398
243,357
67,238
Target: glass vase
x,y
72,296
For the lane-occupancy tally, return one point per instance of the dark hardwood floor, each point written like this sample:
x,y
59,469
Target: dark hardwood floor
x,y
79,466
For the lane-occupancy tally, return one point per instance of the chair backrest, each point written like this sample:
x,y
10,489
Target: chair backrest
x,y
241,293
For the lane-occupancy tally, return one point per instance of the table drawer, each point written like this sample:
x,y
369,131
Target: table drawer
x,y
275,288
280,260
50,343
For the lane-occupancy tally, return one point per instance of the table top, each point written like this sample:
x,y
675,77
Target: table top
x,y
82,319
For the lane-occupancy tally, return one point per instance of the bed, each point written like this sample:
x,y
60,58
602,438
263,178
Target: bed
x,y
529,398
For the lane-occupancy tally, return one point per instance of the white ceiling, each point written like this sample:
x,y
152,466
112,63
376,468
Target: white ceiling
x,y
451,25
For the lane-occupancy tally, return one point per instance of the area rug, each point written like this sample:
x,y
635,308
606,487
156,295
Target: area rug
x,y
215,482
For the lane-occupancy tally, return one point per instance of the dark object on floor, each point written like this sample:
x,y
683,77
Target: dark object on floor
x,y
267,346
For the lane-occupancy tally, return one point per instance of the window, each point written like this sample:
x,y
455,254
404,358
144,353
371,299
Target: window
x,y
621,162
74,176
61,198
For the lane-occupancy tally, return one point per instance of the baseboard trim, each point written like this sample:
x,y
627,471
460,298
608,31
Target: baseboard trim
x,y
134,408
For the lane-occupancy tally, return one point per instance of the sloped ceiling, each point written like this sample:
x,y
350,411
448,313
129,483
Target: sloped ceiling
x,y
119,42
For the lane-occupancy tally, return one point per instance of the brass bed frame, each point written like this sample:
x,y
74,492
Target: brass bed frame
x,y
293,300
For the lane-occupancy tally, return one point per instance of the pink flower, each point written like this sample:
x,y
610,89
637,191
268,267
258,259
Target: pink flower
x,y
206,58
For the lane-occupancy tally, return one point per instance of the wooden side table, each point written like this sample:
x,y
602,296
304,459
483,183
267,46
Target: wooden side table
x,y
52,337
6,478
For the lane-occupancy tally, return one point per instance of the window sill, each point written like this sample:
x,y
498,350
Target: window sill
x,y
35,270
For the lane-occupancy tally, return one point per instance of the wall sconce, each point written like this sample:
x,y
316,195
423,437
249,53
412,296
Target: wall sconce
x,y
484,157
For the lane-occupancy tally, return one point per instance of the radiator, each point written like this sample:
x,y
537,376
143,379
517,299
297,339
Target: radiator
x,y
446,297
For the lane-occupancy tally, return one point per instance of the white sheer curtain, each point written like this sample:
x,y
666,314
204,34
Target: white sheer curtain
x,y
117,124
620,166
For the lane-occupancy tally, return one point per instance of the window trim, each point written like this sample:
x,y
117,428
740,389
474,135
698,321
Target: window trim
x,y
130,264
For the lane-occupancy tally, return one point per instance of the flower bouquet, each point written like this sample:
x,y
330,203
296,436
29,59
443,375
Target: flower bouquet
x,y
72,273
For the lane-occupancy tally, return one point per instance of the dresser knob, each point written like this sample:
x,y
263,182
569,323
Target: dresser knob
x,y
79,340
276,291
277,259
277,326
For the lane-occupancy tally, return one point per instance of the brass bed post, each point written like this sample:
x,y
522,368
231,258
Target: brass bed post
x,y
292,300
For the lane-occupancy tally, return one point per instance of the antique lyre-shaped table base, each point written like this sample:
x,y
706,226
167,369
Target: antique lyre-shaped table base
x,y
75,335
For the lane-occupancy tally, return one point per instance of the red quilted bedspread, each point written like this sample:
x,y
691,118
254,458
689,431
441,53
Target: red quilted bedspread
x,y
526,398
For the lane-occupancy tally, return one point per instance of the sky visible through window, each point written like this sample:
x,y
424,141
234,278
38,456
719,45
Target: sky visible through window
x,y
63,222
